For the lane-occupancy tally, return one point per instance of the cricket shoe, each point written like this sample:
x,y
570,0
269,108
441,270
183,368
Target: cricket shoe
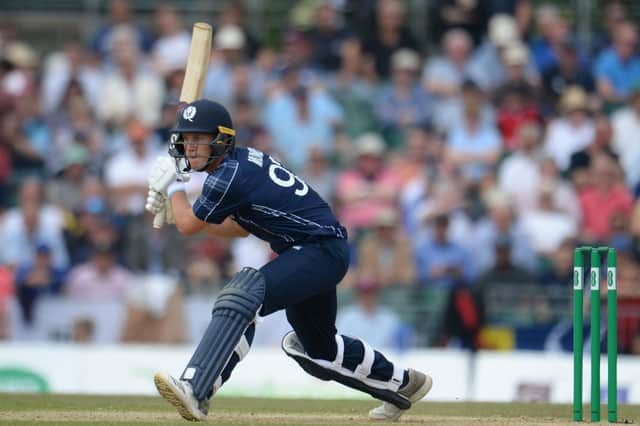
x,y
417,387
180,394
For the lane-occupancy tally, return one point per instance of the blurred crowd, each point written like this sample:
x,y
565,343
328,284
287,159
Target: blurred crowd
x,y
465,169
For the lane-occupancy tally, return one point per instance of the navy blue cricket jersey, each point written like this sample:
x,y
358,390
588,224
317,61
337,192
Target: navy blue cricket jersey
x,y
267,200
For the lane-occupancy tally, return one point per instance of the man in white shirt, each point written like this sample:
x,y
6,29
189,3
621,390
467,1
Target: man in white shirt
x,y
626,137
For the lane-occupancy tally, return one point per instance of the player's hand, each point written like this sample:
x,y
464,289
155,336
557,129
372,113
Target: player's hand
x,y
164,177
156,202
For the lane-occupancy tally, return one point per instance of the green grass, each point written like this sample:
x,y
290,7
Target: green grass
x,y
92,410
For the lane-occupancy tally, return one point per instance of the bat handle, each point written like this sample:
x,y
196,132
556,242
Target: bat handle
x,y
158,220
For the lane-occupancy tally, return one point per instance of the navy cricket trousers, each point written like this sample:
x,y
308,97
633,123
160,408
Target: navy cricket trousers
x,y
303,280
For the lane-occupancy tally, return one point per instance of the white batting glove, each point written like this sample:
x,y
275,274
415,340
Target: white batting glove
x,y
156,202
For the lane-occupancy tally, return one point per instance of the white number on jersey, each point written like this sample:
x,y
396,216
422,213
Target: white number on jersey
x,y
289,181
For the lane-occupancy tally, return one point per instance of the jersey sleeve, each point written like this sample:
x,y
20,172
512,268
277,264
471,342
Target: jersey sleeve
x,y
222,195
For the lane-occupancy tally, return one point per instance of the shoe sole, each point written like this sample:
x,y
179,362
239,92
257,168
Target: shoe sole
x,y
170,394
421,393
424,389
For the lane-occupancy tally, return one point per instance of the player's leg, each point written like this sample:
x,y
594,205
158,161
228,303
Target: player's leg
x,y
225,342
349,360
304,281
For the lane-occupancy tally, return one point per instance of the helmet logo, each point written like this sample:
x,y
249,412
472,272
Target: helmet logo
x,y
189,113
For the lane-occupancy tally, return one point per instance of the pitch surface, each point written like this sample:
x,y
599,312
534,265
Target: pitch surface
x,y
122,410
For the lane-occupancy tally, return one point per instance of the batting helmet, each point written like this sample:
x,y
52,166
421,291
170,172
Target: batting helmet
x,y
202,116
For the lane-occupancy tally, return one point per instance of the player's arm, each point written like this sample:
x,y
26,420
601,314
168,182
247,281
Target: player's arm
x,y
189,224
186,221
227,229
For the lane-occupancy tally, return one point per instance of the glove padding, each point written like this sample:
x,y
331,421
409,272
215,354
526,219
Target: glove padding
x,y
163,181
156,202
163,173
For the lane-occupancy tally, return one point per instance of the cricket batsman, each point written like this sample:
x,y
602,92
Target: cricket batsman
x,y
247,191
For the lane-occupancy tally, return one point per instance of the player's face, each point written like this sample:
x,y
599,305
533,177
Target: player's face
x,y
197,148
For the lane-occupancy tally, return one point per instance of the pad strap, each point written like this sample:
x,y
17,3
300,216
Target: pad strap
x,y
326,370
363,369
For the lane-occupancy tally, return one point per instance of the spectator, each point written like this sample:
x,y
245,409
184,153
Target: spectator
x,y
65,68
581,160
34,126
485,66
565,198
572,131
443,75
25,158
354,87
36,279
386,253
66,191
320,175
326,37
300,117
604,198
32,223
568,71
519,173
422,153
95,226
245,121
559,270
126,176
617,69
388,35
516,110
101,43
403,103
615,13
502,223
171,49
473,146
626,137
234,13
229,75
546,226
442,191
554,31
99,279
130,87
439,261
297,53
21,61
517,67
368,188
470,17
503,272
366,318
126,172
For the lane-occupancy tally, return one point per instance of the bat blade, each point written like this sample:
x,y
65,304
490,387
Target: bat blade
x,y
194,75
198,62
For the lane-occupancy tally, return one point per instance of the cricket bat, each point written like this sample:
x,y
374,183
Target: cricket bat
x,y
194,75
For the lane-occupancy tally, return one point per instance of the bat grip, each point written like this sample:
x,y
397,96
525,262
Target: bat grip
x,y
158,220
